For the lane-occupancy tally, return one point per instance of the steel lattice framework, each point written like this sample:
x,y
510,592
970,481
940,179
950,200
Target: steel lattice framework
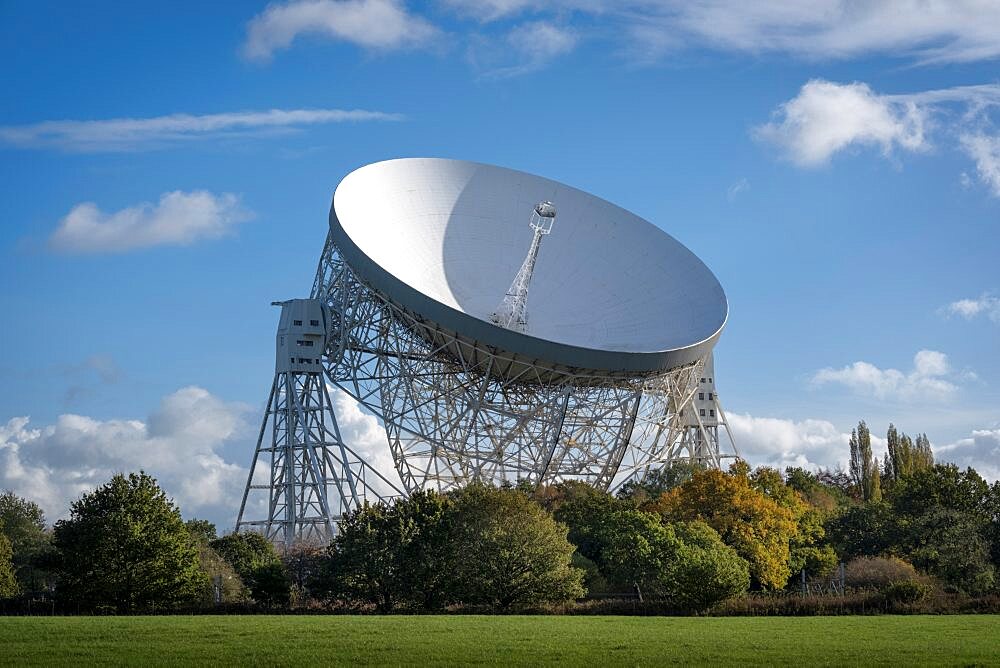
x,y
610,382
449,420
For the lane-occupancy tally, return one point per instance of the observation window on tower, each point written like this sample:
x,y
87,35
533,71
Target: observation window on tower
x,y
296,322
314,323
712,412
701,396
703,380
702,412
709,396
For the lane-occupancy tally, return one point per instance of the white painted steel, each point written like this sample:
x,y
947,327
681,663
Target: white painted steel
x,y
610,291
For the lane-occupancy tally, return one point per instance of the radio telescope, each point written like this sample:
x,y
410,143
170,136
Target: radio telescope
x,y
485,354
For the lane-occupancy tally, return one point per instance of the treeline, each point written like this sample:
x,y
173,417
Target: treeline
x,y
684,539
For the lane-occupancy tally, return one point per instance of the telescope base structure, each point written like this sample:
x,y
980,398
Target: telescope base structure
x,y
303,477
450,420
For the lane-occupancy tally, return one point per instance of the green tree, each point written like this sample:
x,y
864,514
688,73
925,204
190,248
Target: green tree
x,y
8,583
685,563
125,546
706,571
202,531
948,544
509,552
427,558
255,560
222,584
366,561
904,457
634,550
24,526
863,531
864,467
588,513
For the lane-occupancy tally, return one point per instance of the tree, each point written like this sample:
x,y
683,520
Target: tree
x,y
706,571
864,468
756,526
863,531
222,583
510,553
125,546
8,583
948,544
904,457
303,562
245,551
24,526
659,481
807,548
255,560
942,485
587,512
635,548
202,531
685,563
392,553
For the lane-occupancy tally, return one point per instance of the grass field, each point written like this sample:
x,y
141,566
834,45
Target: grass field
x,y
429,640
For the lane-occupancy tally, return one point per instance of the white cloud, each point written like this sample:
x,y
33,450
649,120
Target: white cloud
x,y
924,31
526,48
121,134
826,117
779,443
985,151
987,305
382,25
981,450
815,444
178,219
362,432
930,378
179,444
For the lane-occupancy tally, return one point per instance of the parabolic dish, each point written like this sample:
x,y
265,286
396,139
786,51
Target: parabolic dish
x,y
611,294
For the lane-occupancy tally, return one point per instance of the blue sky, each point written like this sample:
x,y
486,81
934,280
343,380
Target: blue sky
x,y
166,173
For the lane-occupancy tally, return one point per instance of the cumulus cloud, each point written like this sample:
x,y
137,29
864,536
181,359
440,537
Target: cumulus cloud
x,y
980,450
381,25
827,117
178,219
180,444
986,305
124,134
779,442
362,432
931,378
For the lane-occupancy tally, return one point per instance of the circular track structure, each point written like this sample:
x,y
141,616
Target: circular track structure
x,y
621,319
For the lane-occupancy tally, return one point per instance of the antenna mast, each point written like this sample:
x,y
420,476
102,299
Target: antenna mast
x,y
513,310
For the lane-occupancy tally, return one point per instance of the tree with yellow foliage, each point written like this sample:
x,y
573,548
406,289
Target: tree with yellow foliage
x,y
758,527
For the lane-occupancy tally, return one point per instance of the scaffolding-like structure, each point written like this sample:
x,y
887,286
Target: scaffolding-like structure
x,y
450,417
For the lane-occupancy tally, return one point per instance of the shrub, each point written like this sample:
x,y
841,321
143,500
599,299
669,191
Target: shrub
x,y
877,572
906,591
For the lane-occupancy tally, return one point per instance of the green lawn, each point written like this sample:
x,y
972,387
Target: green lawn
x,y
571,641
